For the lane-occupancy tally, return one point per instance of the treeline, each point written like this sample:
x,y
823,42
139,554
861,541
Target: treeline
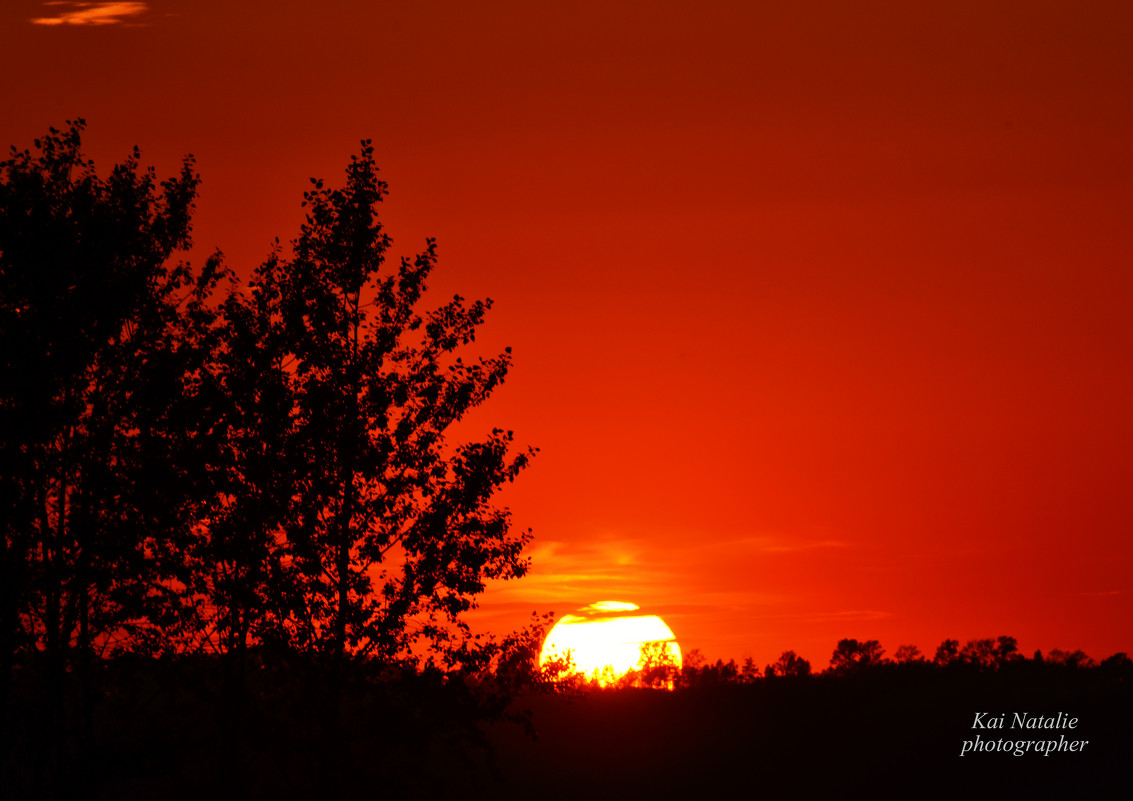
x,y
850,657
191,465
882,729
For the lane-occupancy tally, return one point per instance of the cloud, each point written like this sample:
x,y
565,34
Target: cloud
x,y
66,13
630,569
848,615
794,547
577,573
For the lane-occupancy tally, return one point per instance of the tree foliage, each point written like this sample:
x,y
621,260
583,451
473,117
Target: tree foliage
x,y
851,655
101,343
947,652
188,465
390,531
104,335
908,653
989,654
788,664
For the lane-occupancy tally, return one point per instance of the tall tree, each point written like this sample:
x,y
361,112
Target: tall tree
x,y
101,336
241,558
391,532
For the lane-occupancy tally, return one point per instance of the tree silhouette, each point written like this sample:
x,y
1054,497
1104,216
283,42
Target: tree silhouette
x,y
908,653
238,584
390,532
851,655
1069,659
788,664
749,671
1118,665
273,471
947,653
989,654
100,337
658,668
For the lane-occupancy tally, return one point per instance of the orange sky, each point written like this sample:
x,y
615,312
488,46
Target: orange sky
x,y
820,310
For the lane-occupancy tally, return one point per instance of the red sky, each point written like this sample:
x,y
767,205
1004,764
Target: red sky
x,y
820,310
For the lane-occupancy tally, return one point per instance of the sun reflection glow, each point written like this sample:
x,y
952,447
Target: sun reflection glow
x,y
605,640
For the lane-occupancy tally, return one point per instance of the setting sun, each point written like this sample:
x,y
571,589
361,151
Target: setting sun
x,y
605,640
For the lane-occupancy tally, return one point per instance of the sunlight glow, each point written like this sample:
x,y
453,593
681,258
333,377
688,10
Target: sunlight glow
x,y
604,641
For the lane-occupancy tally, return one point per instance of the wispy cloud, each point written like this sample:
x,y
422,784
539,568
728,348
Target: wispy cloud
x,y
68,13
794,547
853,615
630,569
582,573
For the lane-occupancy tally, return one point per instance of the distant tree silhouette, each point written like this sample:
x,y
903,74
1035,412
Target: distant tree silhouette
x,y
749,671
1119,665
720,672
988,654
979,653
1069,659
693,659
851,655
1006,650
697,672
788,664
947,653
658,668
908,653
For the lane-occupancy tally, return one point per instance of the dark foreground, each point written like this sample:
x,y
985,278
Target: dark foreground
x,y
888,732
883,735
